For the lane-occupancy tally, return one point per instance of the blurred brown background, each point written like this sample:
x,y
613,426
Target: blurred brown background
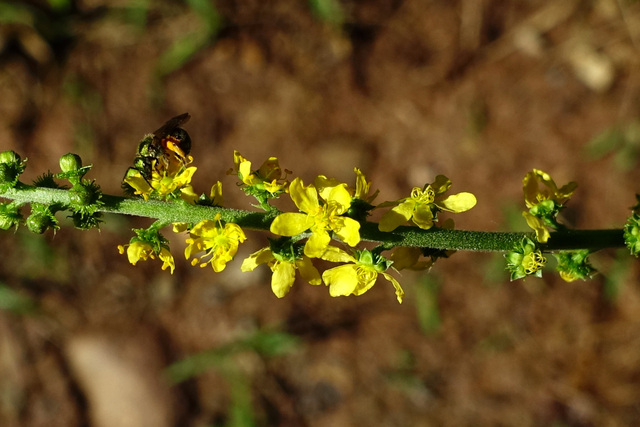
x,y
481,91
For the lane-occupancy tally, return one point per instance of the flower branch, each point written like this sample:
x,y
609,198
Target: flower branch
x,y
329,221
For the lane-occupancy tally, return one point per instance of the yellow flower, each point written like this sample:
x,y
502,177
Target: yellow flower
x,y
363,187
360,203
215,196
325,185
544,200
424,204
320,218
269,177
283,268
538,186
525,260
141,250
219,242
359,275
167,259
174,179
538,225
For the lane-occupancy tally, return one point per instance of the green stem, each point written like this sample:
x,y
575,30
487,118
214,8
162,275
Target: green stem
x,y
436,238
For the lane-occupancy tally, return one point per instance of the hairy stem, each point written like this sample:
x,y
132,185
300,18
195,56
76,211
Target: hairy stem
x,y
436,238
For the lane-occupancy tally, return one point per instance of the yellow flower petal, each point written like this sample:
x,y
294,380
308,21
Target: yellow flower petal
x,y
342,280
317,244
220,259
284,275
334,254
262,256
244,172
308,271
291,224
348,231
397,216
324,185
460,202
188,195
341,197
179,227
362,186
139,251
542,234
441,184
167,259
138,183
366,279
305,198
423,216
270,169
216,194
396,285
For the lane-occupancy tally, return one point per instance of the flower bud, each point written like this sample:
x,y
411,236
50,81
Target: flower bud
x,y
81,195
9,215
38,223
11,166
9,156
632,234
70,162
41,219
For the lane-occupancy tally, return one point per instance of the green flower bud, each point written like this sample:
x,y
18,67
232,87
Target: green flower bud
x,y
11,166
10,156
632,234
41,219
85,196
70,162
86,221
573,265
81,195
72,169
9,215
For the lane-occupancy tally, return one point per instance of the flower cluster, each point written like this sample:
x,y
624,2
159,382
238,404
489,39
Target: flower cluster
x,y
327,211
83,200
545,201
328,224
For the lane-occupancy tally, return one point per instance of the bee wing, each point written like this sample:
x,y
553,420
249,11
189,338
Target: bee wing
x,y
171,124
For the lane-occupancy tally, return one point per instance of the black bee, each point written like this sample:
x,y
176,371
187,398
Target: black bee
x,y
157,148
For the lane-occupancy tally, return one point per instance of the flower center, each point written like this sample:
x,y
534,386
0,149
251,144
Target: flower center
x,y
423,196
533,262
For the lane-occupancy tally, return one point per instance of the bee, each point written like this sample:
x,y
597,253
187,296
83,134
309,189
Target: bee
x,y
158,149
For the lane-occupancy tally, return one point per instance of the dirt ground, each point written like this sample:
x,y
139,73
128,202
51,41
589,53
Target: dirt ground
x,y
481,91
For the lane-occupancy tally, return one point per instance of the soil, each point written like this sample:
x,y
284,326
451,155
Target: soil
x,y
481,92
